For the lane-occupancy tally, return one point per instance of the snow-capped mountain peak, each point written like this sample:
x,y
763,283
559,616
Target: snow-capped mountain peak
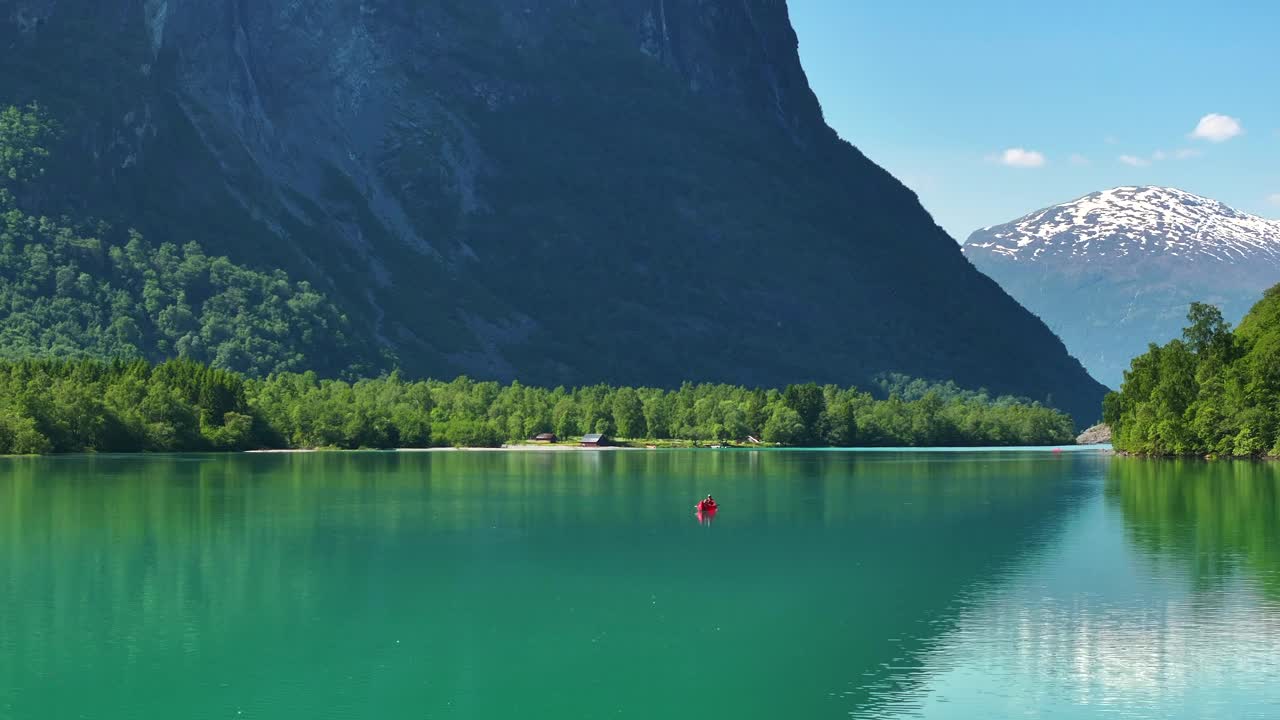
x,y
1117,269
1122,221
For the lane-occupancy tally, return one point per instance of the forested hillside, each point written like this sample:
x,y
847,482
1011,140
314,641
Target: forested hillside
x,y
76,288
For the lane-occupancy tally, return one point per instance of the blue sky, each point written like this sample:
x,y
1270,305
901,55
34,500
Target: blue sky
x,y
1094,95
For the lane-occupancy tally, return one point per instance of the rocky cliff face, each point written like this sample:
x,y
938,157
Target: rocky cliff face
x,y
638,190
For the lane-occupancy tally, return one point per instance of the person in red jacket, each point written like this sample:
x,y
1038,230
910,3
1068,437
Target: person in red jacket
x,y
707,505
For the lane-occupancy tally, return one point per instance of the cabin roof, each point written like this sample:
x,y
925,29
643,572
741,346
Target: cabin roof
x,y
592,437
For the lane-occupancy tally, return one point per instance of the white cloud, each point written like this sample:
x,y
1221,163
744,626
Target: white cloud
x,y
1022,158
1217,128
1078,160
1159,156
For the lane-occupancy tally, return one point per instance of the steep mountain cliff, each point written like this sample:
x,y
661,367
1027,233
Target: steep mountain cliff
x,y
639,190
1116,270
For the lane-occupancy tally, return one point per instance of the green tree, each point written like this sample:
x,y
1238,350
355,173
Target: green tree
x,y
1207,330
657,415
628,414
25,136
566,419
809,403
785,427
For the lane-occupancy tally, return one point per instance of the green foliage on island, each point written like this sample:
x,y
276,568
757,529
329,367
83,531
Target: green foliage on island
x,y
1211,392
181,405
74,289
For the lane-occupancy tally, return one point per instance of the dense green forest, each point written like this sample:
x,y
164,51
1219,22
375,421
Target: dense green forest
x,y
89,405
83,289
1212,392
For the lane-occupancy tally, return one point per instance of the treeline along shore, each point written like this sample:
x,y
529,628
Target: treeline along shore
x,y
1214,391
66,406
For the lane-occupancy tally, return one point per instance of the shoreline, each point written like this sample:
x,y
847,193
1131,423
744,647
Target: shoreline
x,y
531,448
615,448
504,448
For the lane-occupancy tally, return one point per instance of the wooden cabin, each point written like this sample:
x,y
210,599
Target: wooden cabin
x,y
545,438
594,440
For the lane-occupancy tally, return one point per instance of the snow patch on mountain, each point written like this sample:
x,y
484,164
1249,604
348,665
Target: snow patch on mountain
x,y
1139,220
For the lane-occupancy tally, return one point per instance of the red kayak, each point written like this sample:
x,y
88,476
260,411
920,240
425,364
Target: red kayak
x,y
705,512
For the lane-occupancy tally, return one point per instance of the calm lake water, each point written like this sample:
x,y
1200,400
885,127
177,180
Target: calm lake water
x,y
579,585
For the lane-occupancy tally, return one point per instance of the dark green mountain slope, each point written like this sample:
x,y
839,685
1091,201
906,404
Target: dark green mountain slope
x,y
69,294
638,191
70,289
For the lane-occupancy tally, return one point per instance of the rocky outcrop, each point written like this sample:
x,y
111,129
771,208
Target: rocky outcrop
x,y
638,191
1096,435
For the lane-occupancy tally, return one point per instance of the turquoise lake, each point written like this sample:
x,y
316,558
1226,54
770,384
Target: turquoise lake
x,y
1009,584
